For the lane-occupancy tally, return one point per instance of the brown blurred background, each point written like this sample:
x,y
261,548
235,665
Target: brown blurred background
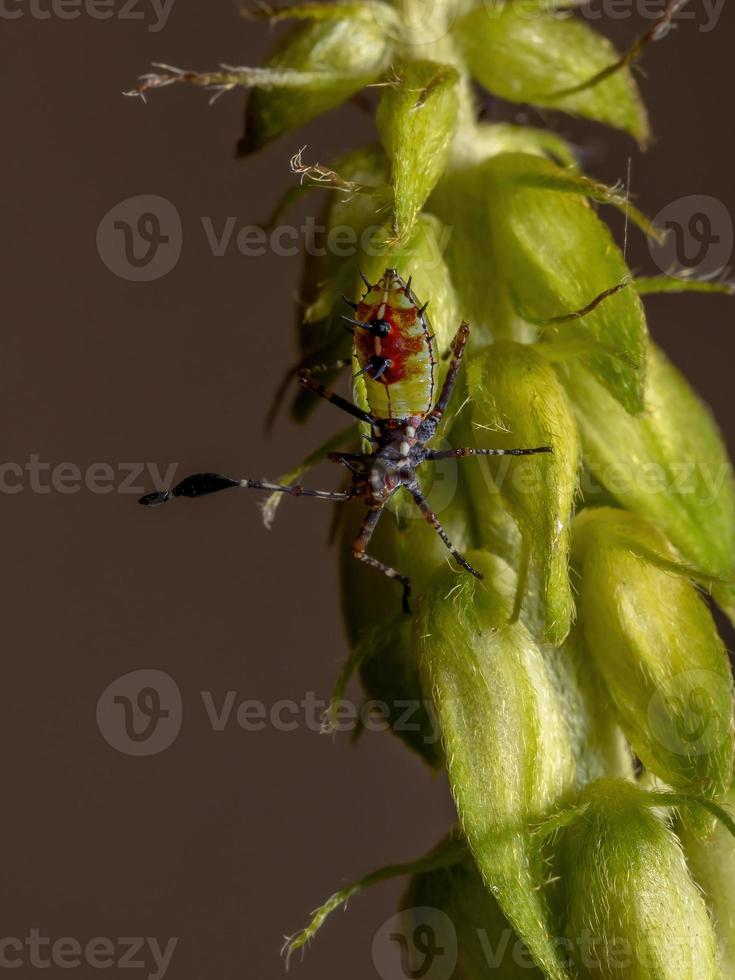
x,y
227,839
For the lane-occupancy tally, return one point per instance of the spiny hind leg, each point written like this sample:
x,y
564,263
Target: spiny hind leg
x,y
292,373
309,382
423,505
358,551
458,346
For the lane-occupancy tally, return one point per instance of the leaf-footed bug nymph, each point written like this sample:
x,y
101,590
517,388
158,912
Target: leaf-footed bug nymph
x,y
394,347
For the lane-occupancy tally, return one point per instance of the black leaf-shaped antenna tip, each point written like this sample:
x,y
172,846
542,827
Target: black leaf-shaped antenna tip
x,y
365,280
153,499
349,302
196,485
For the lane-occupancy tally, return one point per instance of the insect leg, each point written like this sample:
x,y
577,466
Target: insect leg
x,y
423,505
338,457
324,368
358,551
462,453
288,378
311,384
201,484
588,308
460,341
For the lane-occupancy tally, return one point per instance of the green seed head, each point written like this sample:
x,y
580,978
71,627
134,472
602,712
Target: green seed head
x,y
632,908
653,640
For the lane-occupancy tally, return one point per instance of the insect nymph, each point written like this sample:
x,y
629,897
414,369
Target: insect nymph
x,y
394,347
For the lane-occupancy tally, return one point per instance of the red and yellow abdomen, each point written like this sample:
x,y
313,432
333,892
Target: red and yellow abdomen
x,y
405,388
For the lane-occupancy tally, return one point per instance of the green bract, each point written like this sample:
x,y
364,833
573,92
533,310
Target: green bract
x,y
517,400
556,256
670,464
656,645
486,945
416,118
633,910
530,55
712,863
529,210
341,55
508,753
599,746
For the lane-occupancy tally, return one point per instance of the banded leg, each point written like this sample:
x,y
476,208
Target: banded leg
x,y
358,551
460,342
311,384
423,505
471,451
288,378
201,484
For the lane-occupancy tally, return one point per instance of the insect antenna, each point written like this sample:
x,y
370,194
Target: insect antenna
x,y
197,485
201,484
